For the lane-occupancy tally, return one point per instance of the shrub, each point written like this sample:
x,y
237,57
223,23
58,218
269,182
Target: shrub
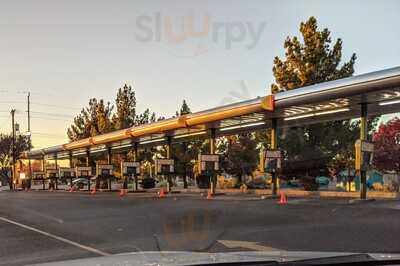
x,y
377,186
393,186
203,181
148,183
309,184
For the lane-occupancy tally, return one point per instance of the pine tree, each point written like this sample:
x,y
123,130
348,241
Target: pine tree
x,y
92,120
312,61
143,118
184,152
125,108
184,109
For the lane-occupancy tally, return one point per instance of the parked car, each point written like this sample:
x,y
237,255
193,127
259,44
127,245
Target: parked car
x,y
80,183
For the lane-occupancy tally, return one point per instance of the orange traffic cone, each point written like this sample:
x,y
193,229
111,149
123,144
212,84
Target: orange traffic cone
x,y
71,189
161,194
283,200
93,191
210,195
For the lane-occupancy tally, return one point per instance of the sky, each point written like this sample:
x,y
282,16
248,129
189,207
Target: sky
x,y
65,52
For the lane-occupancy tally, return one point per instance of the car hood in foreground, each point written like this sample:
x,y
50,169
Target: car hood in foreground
x,y
195,258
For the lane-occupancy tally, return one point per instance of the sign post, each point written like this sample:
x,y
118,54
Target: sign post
x,y
39,176
209,165
105,171
52,175
273,164
165,167
130,170
364,151
67,173
84,172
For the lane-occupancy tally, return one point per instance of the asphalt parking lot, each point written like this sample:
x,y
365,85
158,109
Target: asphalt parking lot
x,y
53,226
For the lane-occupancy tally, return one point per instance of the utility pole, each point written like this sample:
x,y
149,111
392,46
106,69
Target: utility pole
x,y
29,112
29,141
13,148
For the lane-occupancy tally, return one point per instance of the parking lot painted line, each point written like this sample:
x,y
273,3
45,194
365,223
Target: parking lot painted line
x,y
247,244
87,248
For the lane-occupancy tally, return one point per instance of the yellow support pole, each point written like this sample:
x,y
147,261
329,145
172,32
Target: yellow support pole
x,y
363,136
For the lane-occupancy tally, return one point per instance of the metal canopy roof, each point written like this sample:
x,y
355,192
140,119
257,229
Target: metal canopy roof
x,y
334,100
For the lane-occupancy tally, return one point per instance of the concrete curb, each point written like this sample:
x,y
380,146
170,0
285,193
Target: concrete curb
x,y
265,192
302,193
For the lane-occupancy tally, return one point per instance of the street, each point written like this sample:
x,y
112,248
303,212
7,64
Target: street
x,y
52,226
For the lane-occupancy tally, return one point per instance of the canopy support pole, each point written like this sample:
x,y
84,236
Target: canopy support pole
x,y
212,151
87,165
169,181
70,166
363,136
109,161
56,177
44,171
274,146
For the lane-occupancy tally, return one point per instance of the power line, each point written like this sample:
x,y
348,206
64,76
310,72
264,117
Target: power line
x,y
25,92
52,114
50,118
5,116
41,114
47,137
48,134
56,106
43,104
16,111
8,102
5,122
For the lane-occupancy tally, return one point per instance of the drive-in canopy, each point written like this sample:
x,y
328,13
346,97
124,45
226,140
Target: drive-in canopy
x,y
328,101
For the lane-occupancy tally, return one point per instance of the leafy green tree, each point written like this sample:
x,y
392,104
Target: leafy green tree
x,y
240,154
343,150
93,120
125,108
387,146
21,144
5,150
